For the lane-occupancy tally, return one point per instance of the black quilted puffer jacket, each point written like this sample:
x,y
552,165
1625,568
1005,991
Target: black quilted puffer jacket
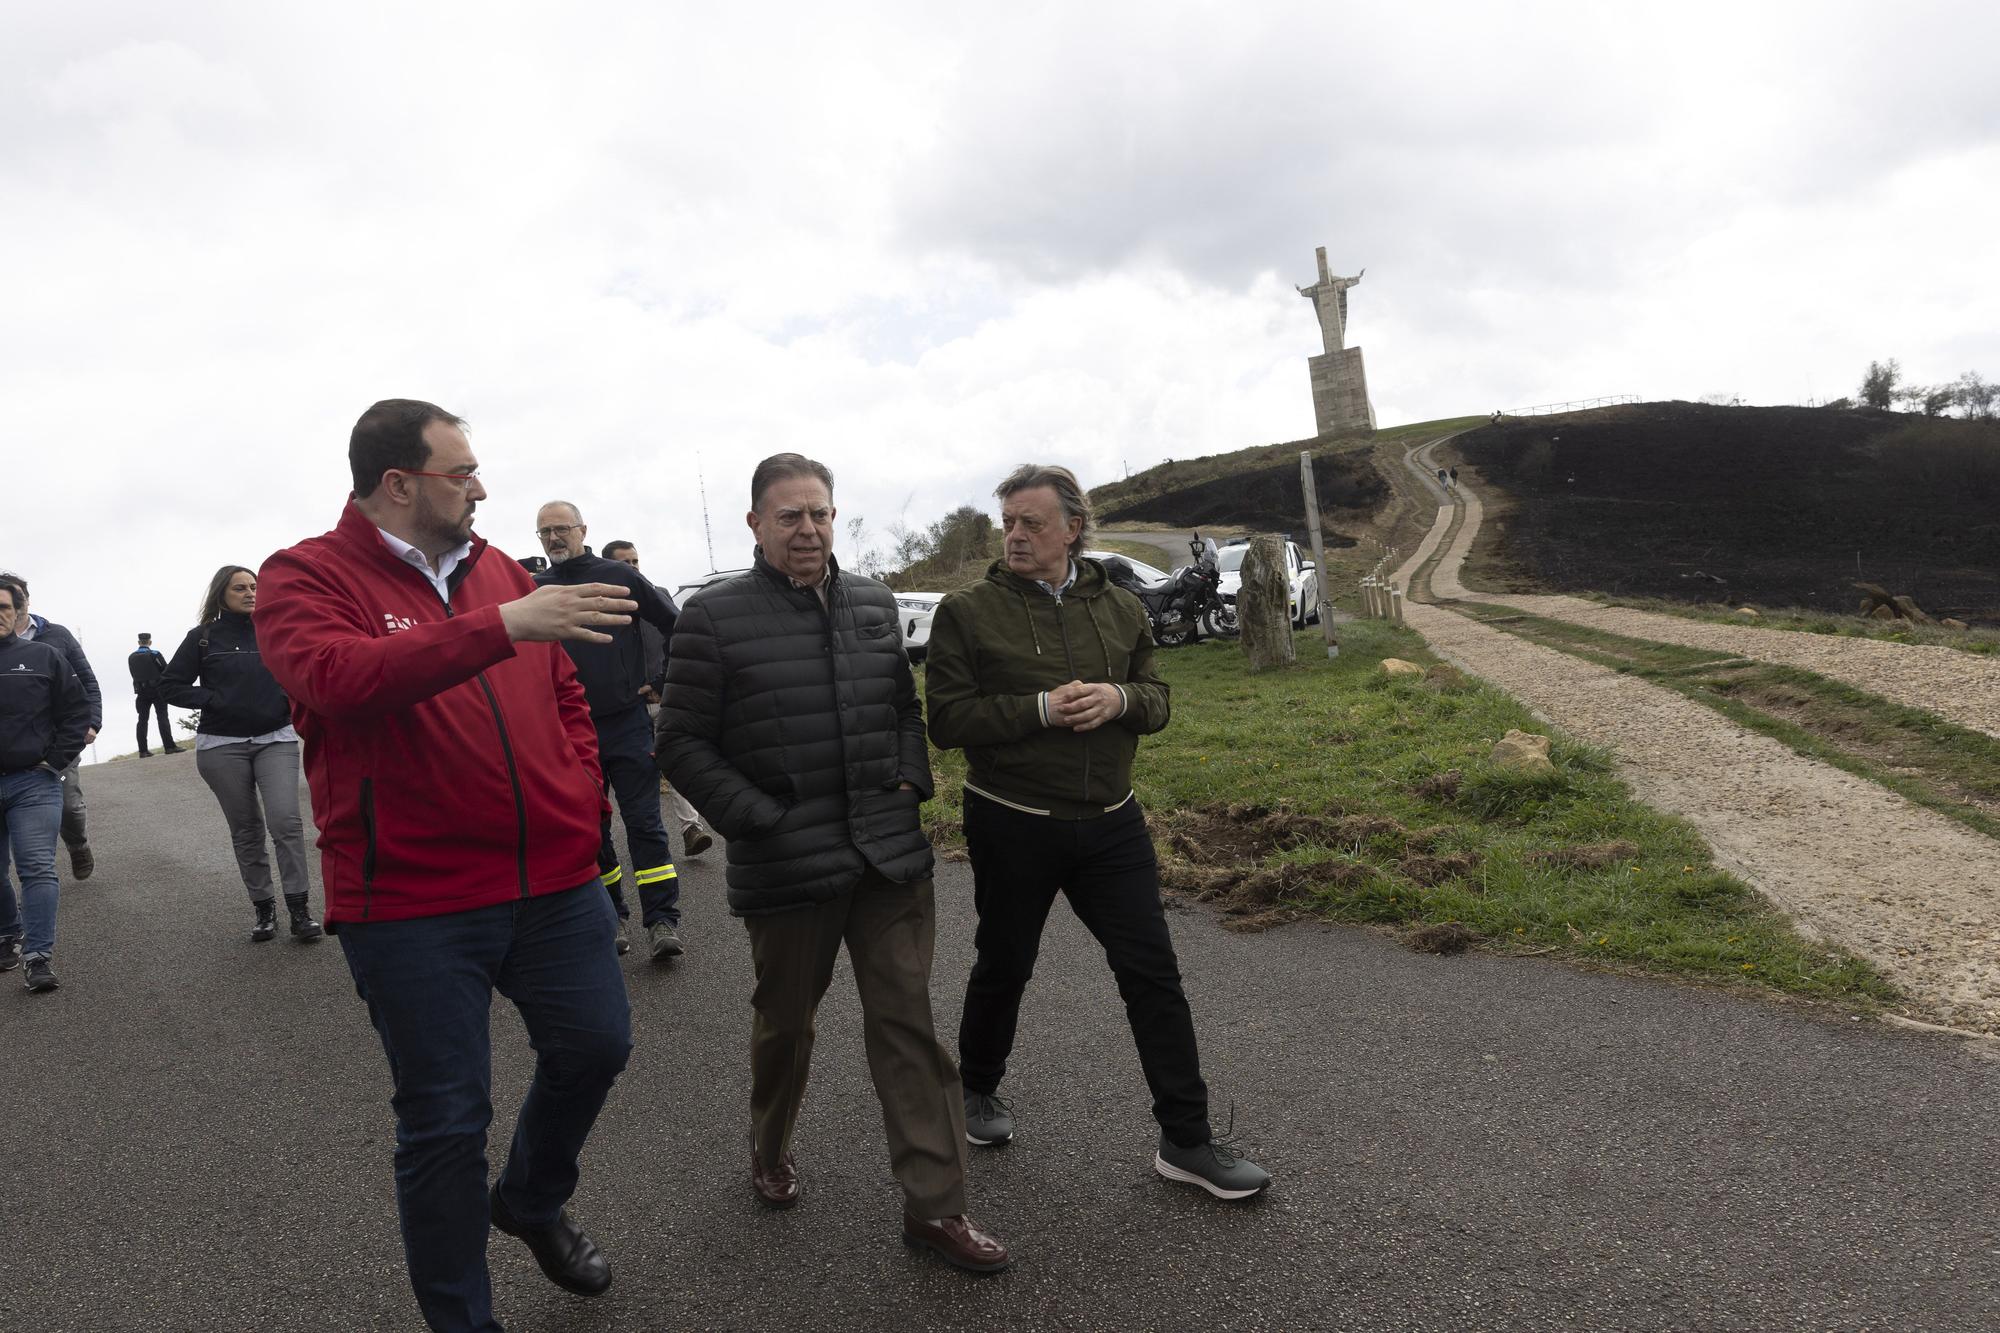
x,y
792,727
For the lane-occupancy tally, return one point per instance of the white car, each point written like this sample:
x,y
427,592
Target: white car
x,y
687,590
1148,575
1300,575
914,619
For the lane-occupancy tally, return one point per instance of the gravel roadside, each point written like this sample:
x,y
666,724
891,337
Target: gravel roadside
x,y
1901,886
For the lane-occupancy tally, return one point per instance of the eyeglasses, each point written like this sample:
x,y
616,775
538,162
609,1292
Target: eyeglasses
x,y
464,479
556,530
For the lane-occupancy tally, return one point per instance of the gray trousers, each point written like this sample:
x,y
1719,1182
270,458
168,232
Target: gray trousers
x,y
889,930
239,774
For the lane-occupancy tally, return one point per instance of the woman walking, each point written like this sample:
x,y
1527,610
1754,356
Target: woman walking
x,y
245,748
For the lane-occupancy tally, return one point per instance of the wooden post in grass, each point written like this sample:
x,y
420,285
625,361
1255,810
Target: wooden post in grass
x,y
1263,604
1320,586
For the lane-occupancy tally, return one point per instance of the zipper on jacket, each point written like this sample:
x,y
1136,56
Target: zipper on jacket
x,y
1069,659
513,769
367,845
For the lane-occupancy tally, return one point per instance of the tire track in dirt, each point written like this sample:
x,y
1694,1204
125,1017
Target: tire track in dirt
x,y
1907,889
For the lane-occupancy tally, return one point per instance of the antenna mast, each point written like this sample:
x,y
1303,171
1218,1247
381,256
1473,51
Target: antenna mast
x,y
702,484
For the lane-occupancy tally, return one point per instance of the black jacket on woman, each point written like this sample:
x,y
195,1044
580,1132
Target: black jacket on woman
x,y
236,695
792,726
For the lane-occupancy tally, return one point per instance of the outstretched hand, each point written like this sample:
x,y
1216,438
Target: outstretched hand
x,y
567,611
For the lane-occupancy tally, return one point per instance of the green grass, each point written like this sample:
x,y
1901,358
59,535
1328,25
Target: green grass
x,y
1805,620
1388,781
1920,756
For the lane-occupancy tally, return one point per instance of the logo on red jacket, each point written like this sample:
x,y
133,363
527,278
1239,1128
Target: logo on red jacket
x,y
393,623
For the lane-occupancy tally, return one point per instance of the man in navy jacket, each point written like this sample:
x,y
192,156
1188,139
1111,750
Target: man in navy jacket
x,y
44,717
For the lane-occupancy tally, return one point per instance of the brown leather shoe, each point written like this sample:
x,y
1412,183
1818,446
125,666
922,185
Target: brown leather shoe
x,y
957,1240
778,1185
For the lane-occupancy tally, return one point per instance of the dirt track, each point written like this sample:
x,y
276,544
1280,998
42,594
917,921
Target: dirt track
x,y
1909,890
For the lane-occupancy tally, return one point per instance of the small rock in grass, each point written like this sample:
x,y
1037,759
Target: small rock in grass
x,y
1749,613
1396,666
1523,752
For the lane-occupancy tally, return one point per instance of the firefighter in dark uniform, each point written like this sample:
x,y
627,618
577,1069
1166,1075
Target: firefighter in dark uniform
x,y
615,682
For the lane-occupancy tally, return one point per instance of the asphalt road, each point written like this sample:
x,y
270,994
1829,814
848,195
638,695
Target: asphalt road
x,y
199,1138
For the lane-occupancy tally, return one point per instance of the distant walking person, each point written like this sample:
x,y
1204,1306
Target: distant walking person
x,y
1043,673
44,716
793,722
75,836
618,686
455,784
147,664
695,837
245,748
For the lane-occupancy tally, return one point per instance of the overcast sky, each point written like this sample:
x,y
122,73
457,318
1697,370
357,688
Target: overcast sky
x,y
923,243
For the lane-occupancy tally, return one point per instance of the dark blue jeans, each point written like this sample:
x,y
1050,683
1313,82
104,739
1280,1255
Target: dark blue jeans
x,y
625,749
429,985
1107,868
31,805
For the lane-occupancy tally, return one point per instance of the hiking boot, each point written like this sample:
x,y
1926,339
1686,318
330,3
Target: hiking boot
x,y
41,974
1217,1166
624,937
10,954
696,839
989,1119
81,862
267,922
304,928
663,940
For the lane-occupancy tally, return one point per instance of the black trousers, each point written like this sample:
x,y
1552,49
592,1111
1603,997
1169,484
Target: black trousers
x,y
1107,868
151,704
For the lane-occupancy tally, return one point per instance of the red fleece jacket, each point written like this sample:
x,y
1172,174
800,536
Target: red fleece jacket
x,y
450,767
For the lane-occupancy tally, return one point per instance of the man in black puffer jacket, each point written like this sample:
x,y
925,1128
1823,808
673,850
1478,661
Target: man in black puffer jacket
x,y
792,722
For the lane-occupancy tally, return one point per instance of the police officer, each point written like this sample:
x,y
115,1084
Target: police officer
x,y
147,664
616,683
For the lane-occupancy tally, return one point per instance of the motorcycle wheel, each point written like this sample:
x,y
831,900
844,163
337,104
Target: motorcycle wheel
x,y
1174,634
1219,622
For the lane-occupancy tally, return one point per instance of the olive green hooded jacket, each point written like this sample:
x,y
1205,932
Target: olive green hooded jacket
x,y
998,647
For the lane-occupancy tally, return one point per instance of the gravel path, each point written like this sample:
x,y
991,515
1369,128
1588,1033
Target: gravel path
x,y
1919,902
1960,687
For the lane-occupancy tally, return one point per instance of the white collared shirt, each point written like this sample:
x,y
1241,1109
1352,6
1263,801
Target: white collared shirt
x,y
410,555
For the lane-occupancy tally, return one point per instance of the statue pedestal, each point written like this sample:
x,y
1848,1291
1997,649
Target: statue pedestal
x,y
1340,393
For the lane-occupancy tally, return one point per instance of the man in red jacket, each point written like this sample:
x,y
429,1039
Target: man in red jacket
x,y
456,788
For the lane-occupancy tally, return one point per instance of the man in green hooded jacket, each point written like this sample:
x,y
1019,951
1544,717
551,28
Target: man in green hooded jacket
x,y
1043,674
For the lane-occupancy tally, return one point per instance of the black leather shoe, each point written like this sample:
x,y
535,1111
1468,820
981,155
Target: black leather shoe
x,y
777,1184
567,1256
957,1240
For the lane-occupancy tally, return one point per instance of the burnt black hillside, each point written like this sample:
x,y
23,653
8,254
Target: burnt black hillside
x,y
1776,500
1265,497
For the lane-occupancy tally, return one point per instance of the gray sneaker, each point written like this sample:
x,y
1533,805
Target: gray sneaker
x,y
1216,1166
10,954
989,1119
624,937
41,975
664,941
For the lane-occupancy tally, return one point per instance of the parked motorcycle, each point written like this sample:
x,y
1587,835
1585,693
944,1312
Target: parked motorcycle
x,y
1187,603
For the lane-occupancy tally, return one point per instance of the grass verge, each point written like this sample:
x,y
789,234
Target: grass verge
x,y
1805,620
1332,790
1918,755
